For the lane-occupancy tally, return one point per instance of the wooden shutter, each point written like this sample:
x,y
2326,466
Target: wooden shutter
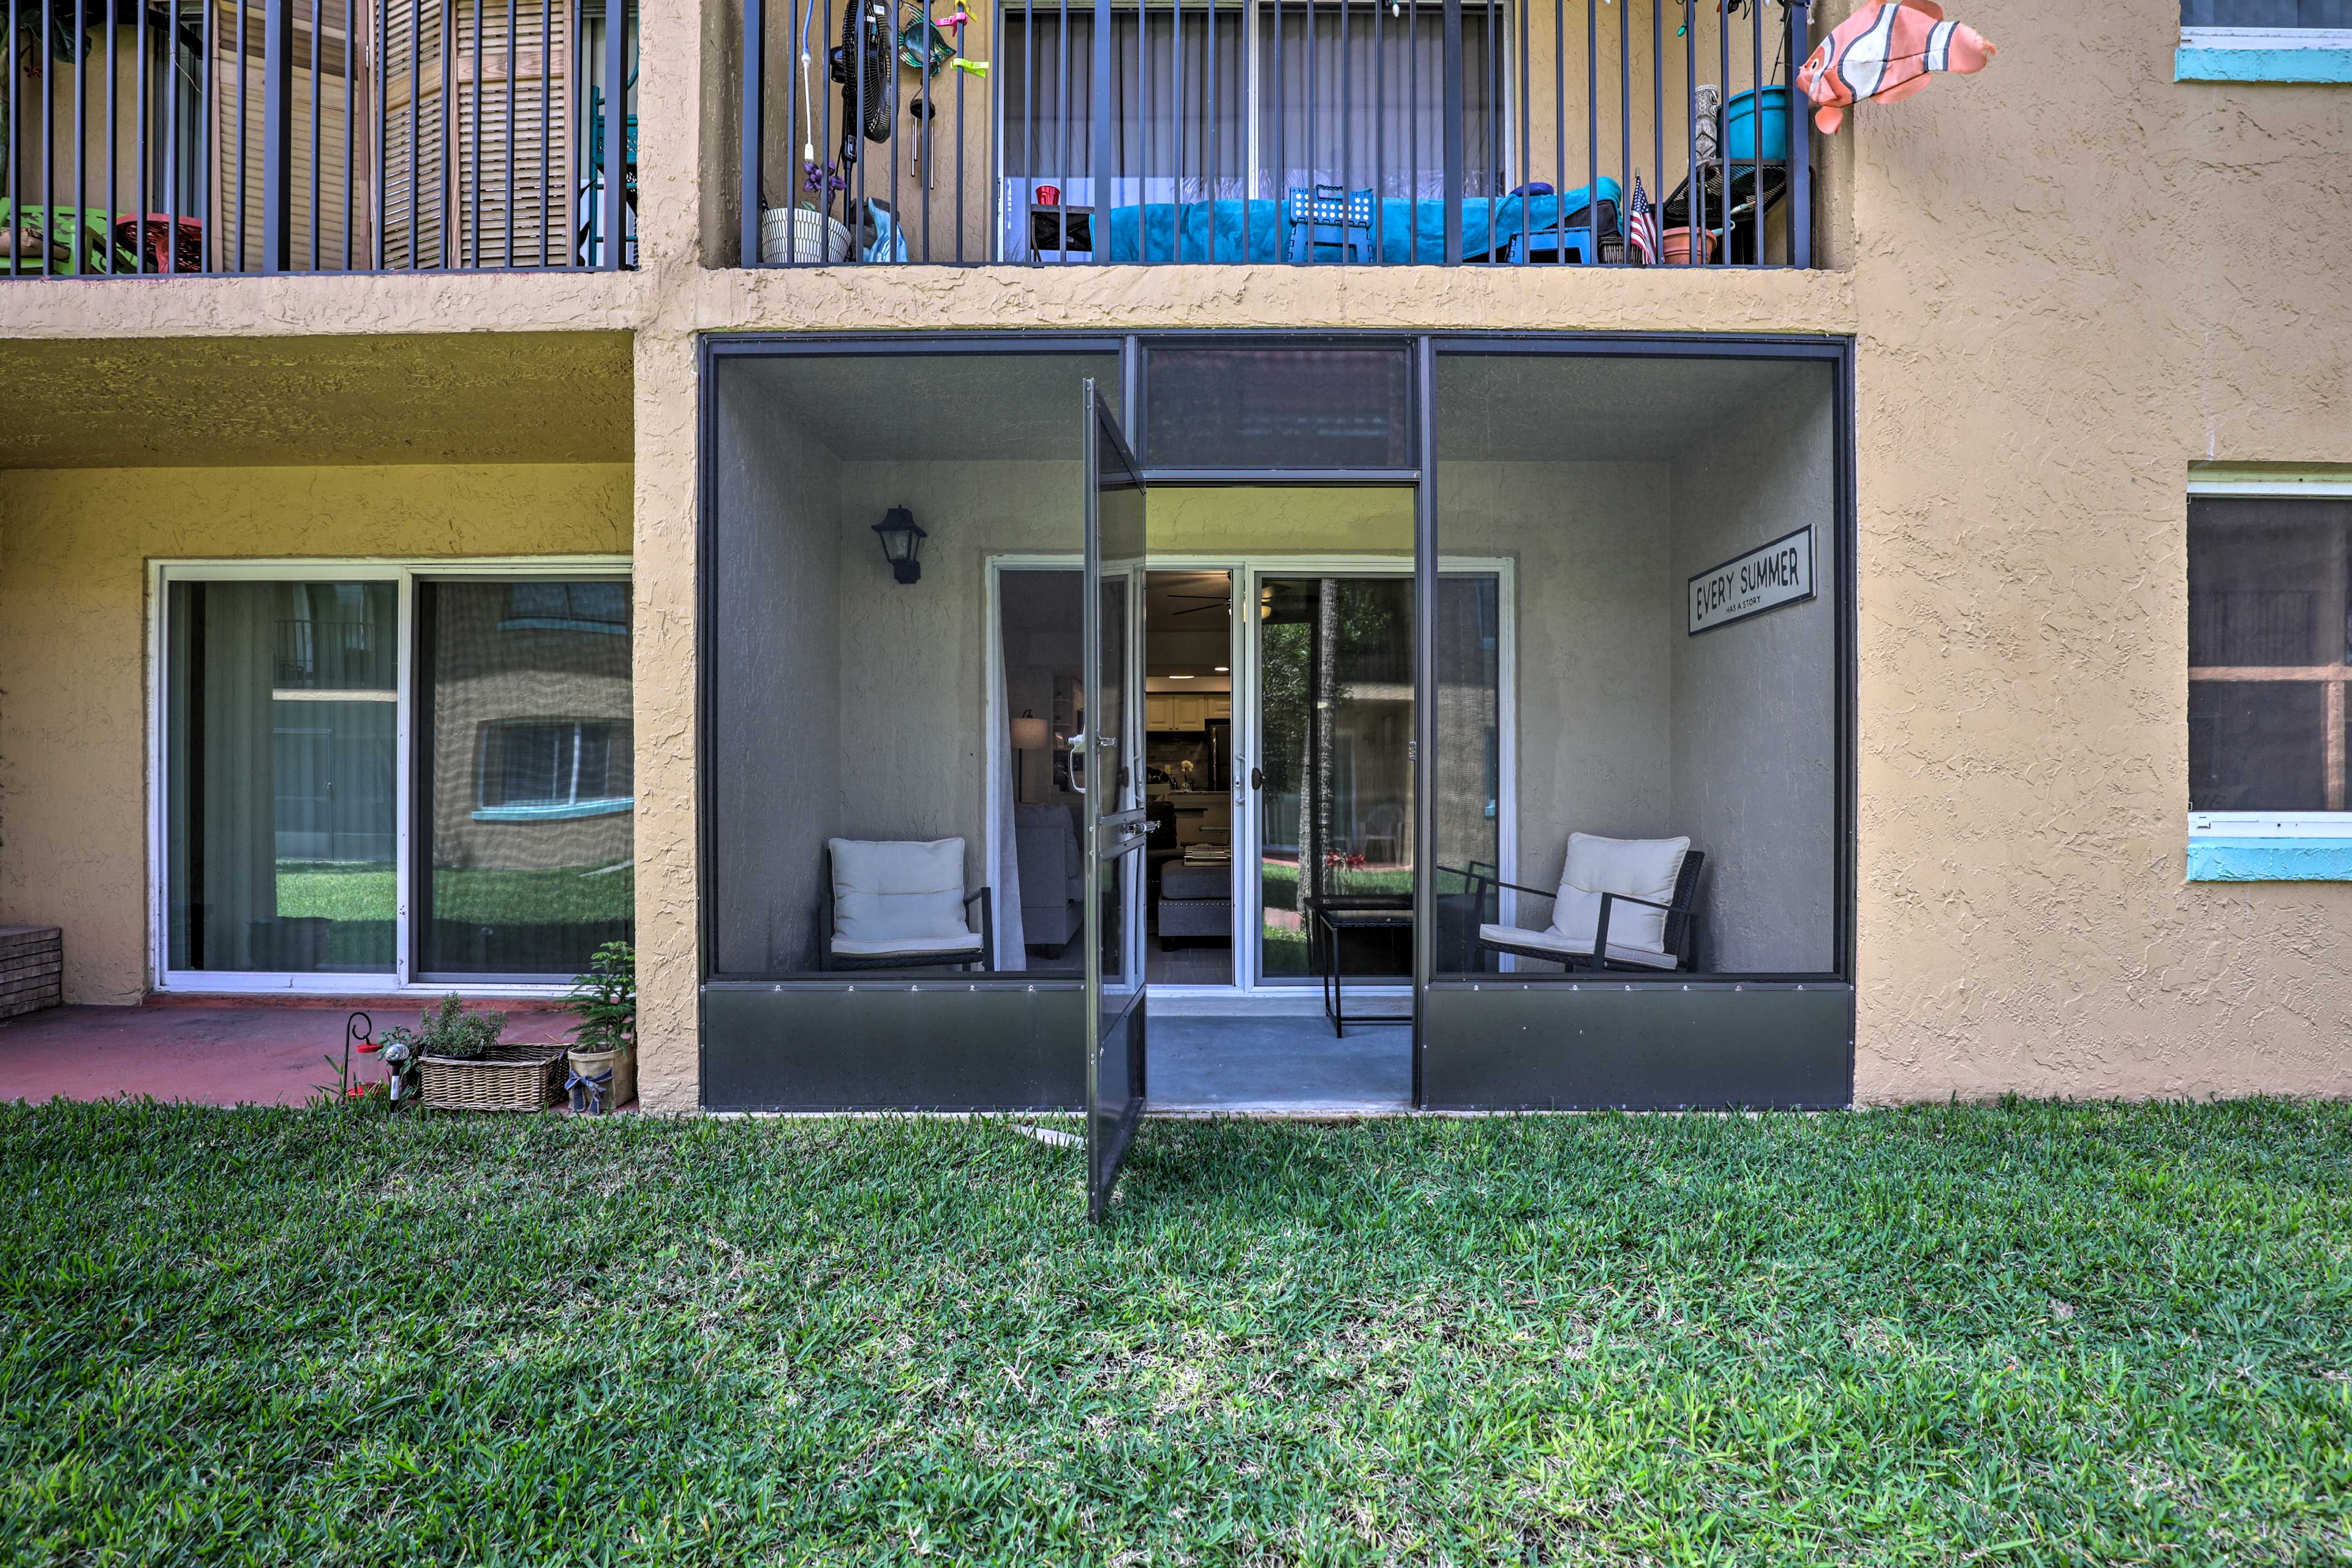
x,y
542,200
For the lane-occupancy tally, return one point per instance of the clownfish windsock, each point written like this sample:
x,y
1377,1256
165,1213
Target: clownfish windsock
x,y
1887,52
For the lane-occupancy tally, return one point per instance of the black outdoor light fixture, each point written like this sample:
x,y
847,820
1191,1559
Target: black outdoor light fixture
x,y
902,544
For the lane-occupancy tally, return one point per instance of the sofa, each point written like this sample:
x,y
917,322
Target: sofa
x,y
1053,871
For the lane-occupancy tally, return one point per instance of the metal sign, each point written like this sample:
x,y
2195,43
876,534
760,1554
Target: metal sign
x,y
1766,578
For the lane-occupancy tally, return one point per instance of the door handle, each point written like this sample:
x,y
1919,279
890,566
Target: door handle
x,y
1073,748
1257,779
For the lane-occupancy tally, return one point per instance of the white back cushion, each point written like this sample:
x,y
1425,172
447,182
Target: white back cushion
x,y
891,892
1631,867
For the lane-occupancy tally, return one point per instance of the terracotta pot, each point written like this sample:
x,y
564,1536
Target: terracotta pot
x,y
1675,247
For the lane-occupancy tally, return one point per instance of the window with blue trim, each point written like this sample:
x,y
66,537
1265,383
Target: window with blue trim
x,y
546,769
2264,40
2269,683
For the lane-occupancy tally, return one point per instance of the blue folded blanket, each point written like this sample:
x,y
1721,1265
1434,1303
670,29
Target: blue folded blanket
x,y
1404,229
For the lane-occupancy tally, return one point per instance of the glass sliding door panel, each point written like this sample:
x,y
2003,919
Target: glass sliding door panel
x,y
1335,806
525,854
281,717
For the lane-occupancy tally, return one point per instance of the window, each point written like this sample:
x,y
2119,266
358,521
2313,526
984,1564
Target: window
x,y
2264,40
549,768
292,854
2268,665
2269,683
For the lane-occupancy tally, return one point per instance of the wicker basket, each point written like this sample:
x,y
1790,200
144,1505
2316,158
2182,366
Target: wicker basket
x,y
511,1077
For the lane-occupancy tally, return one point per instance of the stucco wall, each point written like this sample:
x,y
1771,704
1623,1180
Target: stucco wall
x,y
74,549
2060,314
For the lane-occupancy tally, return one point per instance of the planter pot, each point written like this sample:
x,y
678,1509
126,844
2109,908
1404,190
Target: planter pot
x,y
511,1078
803,236
621,1065
1675,247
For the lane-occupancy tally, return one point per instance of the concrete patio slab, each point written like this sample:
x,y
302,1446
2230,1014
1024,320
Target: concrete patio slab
x,y
226,1053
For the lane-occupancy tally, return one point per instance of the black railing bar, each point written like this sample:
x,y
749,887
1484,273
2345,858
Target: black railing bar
x,y
927,146
80,252
1498,124
277,128
1345,128
1103,153
1658,120
616,132
820,109
1452,189
1592,114
546,120
1413,129
15,142
350,45
1723,122
1177,103
890,96
244,103
316,135
415,152
1694,199
755,100
1314,47
449,195
1801,146
1756,121
470,209
1214,168
383,19
215,224
1625,113
207,236
508,160
1281,191
1527,147
1559,140
146,103
1379,133
961,33
113,145
1062,114
1028,227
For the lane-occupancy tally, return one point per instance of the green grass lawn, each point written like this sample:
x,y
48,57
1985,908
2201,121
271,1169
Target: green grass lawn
x,y
362,892
2025,1334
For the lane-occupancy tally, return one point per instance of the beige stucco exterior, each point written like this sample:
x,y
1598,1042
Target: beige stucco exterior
x,y
2069,282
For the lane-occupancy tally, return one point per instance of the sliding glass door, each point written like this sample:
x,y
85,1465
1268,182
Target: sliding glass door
x,y
370,776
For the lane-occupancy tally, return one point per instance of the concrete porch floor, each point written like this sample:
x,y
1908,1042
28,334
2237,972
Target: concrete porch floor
x,y
226,1052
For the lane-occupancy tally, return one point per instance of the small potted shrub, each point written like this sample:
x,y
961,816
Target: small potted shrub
x,y
604,1041
464,1066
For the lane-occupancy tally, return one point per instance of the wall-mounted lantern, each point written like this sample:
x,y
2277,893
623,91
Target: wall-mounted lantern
x,y
902,544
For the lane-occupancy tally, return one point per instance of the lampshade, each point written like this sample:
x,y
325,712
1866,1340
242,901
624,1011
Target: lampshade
x,y
1029,733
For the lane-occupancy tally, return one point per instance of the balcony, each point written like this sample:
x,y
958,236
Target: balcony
x,y
274,136
1364,131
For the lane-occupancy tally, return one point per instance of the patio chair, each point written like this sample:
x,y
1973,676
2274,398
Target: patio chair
x,y
1625,904
900,904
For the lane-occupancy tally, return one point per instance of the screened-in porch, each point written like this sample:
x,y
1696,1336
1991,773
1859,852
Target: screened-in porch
x,y
1459,724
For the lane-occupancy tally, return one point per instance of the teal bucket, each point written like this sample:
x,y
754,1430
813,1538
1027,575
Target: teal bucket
x,y
1747,113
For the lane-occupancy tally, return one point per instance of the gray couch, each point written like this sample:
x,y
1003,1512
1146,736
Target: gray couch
x,y
1053,873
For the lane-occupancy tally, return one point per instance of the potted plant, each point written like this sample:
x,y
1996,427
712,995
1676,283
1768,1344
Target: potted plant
x,y
603,1054
808,233
464,1066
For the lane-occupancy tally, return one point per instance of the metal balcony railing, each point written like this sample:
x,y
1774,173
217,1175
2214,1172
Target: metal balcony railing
x,y
271,136
1375,131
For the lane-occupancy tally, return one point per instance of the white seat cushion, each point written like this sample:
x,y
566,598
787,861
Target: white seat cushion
x,y
1552,941
1630,867
907,947
893,893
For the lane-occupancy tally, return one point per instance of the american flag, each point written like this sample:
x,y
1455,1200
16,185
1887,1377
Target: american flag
x,y
1641,225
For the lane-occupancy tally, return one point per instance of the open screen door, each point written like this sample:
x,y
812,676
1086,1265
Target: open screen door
x,y
1107,755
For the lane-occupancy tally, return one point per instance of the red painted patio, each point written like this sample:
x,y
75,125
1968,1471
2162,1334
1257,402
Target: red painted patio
x,y
224,1052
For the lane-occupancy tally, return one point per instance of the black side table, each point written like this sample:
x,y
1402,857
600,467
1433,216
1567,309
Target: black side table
x,y
1361,911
